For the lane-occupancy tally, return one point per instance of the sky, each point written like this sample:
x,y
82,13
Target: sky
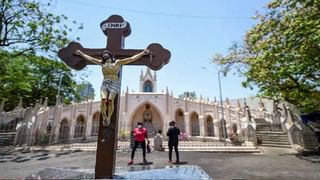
x,y
194,31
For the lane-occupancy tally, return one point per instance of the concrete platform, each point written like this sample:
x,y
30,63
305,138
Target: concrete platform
x,y
168,172
271,163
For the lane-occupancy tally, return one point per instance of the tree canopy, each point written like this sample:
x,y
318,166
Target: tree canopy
x,y
29,27
281,54
33,78
29,31
85,91
192,95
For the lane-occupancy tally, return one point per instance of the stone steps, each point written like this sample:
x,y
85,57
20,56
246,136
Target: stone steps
x,y
268,128
276,145
126,147
275,142
7,138
271,135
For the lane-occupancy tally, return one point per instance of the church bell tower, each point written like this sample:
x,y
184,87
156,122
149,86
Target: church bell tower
x,y
148,82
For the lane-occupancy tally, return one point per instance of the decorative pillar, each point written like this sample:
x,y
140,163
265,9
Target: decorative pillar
x,y
238,117
187,122
202,125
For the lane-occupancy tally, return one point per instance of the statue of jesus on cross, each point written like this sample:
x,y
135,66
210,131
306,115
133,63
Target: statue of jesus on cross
x,y
111,58
111,82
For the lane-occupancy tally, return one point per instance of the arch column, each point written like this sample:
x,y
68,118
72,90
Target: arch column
x,y
56,133
165,127
217,129
187,122
202,125
71,129
88,126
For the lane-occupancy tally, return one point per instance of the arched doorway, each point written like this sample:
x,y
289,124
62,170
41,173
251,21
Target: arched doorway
x,y
195,128
149,116
64,131
179,118
210,126
80,127
49,128
95,124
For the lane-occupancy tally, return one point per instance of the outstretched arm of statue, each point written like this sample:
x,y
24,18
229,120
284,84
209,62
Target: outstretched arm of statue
x,y
133,58
87,57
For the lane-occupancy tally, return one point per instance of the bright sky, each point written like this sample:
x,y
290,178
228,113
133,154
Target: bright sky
x,y
192,30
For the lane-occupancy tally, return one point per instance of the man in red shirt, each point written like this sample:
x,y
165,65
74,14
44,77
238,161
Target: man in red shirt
x,y
140,134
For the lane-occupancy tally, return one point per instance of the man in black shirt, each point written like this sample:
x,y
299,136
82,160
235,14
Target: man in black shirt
x,y
173,133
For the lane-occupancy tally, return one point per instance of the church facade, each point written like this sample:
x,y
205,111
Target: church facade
x,y
80,121
156,110
197,119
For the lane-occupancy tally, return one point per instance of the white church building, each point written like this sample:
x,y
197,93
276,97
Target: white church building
x,y
73,122
198,119
157,109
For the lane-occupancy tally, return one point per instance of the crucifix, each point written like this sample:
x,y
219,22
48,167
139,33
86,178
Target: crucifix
x,y
111,60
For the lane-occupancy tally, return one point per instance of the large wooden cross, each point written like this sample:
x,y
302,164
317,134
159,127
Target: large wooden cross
x,y
116,29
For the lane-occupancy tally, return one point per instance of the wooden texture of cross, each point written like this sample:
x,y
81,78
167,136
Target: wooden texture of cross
x,y
116,29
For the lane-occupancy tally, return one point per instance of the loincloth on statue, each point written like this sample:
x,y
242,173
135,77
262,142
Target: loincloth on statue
x,y
111,85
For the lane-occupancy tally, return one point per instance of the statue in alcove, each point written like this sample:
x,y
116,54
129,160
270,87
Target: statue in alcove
x,y
147,120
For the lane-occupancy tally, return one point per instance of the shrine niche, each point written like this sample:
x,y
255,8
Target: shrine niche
x,y
150,117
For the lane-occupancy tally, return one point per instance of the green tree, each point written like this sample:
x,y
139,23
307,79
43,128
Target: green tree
x,y
190,94
32,77
281,53
85,91
29,27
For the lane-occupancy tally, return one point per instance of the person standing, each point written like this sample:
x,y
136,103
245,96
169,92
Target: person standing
x,y
140,134
173,133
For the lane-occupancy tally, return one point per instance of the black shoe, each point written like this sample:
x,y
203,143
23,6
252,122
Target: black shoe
x,y
145,161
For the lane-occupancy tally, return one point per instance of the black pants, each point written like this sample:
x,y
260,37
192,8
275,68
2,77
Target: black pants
x,y
143,146
175,146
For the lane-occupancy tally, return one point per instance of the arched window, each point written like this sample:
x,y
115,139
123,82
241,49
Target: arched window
x,y
195,126
49,128
179,118
64,131
79,130
210,126
95,124
147,87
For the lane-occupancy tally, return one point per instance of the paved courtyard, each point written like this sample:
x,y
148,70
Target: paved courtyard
x,y
272,163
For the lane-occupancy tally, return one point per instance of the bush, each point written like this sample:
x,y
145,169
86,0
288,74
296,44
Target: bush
x,y
42,138
123,134
236,138
183,137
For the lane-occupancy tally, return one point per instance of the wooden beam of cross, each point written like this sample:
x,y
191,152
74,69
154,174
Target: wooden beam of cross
x,y
116,29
